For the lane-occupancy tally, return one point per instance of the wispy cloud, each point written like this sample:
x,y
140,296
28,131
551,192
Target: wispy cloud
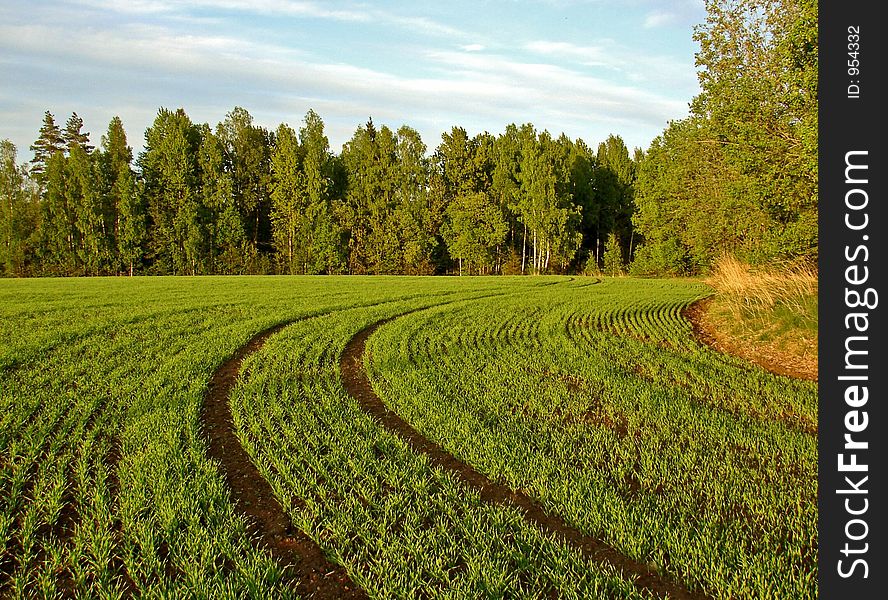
x,y
659,19
635,65
102,57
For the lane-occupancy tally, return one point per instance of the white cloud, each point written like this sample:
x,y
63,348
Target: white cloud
x,y
659,19
138,67
632,64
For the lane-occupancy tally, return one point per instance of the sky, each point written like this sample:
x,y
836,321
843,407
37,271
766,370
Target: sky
x,y
587,68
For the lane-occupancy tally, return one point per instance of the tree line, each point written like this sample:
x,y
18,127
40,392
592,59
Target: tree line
x,y
737,176
239,198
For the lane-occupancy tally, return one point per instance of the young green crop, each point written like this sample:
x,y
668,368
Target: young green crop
x,y
599,403
105,488
401,526
592,398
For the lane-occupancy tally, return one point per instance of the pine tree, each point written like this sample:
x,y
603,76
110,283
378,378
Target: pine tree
x,y
73,135
48,143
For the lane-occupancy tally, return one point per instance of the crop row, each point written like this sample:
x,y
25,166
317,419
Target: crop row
x,y
401,526
105,484
676,455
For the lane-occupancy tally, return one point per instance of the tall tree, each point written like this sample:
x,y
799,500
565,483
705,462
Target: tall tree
x,y
288,201
419,219
546,207
614,179
116,157
132,233
324,233
13,211
84,197
73,135
370,158
48,143
169,168
248,154
58,236
226,237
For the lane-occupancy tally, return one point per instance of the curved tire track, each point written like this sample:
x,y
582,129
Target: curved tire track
x,y
309,571
357,384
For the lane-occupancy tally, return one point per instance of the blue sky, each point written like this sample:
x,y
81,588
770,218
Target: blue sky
x,y
587,68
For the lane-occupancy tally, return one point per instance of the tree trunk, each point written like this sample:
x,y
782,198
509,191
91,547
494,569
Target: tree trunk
x,y
524,249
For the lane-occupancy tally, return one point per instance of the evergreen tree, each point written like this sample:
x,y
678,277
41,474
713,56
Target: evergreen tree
x,y
58,237
73,135
325,251
370,158
48,143
84,199
169,166
115,158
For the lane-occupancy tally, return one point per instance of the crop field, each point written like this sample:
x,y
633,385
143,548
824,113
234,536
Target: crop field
x,y
393,437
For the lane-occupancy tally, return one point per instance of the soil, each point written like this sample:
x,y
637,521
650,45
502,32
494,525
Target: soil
x,y
767,357
308,569
357,383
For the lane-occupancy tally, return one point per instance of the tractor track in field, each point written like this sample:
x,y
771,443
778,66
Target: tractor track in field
x,y
357,384
311,573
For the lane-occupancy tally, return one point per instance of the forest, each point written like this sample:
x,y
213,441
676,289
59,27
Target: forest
x,y
737,176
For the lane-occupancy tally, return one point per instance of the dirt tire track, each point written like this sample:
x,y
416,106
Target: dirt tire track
x,y
308,569
357,384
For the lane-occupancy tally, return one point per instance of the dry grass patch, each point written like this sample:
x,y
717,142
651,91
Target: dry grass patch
x,y
768,316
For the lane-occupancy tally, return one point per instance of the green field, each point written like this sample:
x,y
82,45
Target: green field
x,y
589,397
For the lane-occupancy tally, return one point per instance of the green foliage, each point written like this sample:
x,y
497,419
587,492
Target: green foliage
x,y
239,199
613,256
15,212
48,143
740,175
169,168
474,229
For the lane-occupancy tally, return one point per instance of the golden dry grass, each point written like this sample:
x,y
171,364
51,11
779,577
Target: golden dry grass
x,y
754,290
766,315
